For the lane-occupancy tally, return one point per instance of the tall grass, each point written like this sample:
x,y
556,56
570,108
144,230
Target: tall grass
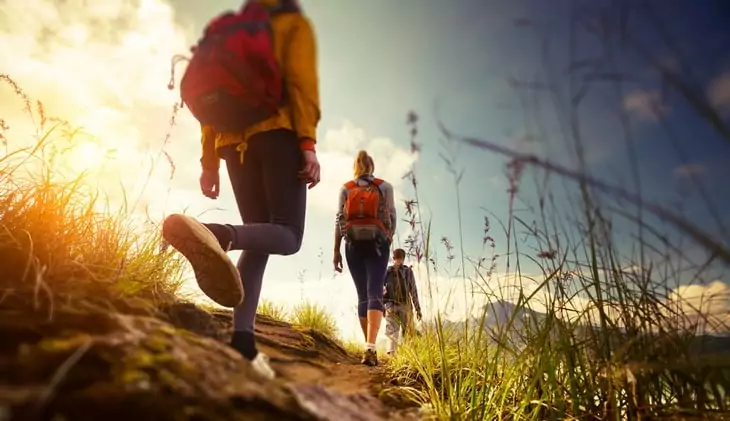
x,y
598,335
607,342
62,246
314,316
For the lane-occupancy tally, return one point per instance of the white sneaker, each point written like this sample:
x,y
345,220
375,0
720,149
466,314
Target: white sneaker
x,y
261,365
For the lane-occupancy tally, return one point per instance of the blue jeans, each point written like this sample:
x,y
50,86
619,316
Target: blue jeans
x,y
367,264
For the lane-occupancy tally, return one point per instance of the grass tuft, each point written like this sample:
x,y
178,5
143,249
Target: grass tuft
x,y
272,310
314,316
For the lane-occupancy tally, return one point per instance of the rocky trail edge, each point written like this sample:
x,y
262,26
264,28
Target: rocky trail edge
x,y
108,366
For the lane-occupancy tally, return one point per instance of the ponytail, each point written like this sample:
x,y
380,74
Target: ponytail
x,y
364,164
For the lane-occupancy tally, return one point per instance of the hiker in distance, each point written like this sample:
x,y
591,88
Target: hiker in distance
x,y
267,140
401,298
366,220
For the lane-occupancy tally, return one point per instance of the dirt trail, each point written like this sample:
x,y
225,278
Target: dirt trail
x,y
308,361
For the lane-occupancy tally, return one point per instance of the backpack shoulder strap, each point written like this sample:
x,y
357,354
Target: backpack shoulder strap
x,y
350,185
391,273
376,182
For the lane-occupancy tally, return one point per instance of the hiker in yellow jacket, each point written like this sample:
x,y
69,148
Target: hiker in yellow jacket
x,y
270,165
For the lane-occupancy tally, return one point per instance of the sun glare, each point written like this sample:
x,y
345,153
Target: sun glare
x,y
87,156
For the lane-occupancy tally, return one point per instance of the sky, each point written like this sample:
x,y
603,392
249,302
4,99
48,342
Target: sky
x,y
496,71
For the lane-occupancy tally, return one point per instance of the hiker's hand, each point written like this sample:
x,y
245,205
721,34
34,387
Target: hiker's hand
x,y
337,261
310,170
210,183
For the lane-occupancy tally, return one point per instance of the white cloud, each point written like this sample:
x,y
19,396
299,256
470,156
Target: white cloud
x,y
718,92
648,105
705,306
102,66
702,308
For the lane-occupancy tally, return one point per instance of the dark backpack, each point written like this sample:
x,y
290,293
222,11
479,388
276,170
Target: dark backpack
x,y
395,285
233,80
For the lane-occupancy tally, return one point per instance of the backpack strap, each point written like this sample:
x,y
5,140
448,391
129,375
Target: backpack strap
x,y
377,182
283,7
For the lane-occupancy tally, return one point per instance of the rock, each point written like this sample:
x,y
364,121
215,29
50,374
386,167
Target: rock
x,y
113,366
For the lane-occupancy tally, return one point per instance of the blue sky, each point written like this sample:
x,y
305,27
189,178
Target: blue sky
x,y
380,59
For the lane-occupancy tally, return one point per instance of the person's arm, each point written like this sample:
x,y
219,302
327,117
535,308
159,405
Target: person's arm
x,y
209,159
413,290
390,203
385,283
340,219
302,82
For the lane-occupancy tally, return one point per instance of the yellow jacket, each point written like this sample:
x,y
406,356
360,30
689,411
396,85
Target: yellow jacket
x,y
295,46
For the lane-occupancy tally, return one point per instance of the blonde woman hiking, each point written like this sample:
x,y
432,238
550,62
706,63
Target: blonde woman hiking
x,y
261,119
366,220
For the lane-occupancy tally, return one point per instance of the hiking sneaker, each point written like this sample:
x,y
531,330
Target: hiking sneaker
x,y
261,366
370,358
217,276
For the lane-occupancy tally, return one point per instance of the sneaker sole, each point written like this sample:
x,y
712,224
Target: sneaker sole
x,y
217,276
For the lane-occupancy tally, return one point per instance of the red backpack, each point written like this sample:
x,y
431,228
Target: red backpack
x,y
233,80
365,213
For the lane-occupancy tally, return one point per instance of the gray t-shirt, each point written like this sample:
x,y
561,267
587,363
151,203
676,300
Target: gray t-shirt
x,y
387,190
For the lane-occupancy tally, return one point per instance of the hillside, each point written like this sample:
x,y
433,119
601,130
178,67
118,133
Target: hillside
x,y
91,366
495,314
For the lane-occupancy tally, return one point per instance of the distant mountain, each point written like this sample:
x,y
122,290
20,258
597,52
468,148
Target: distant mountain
x,y
497,315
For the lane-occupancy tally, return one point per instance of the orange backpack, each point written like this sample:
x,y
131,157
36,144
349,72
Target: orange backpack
x,y
366,215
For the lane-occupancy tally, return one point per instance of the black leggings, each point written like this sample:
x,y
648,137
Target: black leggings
x,y
272,202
